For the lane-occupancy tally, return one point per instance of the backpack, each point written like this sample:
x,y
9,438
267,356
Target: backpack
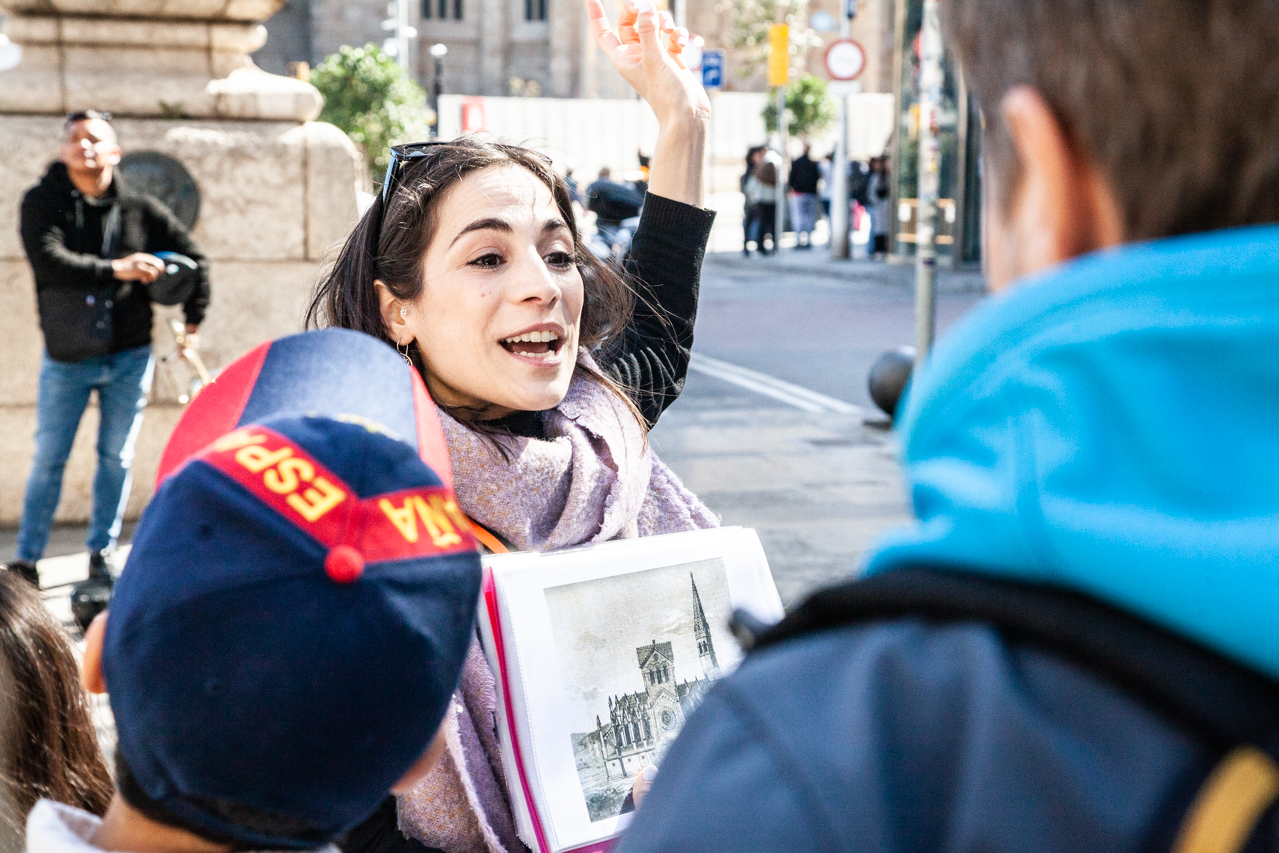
x,y
613,202
1230,707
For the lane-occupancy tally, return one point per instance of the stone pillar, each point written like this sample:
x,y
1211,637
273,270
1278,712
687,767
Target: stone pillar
x,y
277,190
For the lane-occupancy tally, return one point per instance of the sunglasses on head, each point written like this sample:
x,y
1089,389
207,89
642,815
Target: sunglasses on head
x,y
401,155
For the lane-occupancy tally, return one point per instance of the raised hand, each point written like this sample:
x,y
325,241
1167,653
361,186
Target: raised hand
x,y
646,50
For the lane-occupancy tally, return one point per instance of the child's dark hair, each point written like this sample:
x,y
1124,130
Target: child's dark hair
x,y
52,748
395,252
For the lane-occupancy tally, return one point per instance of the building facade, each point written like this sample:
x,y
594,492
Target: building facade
x,y
540,47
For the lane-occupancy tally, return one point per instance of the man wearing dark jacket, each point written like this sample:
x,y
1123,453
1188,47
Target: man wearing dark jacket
x,y
1074,649
804,201
91,244
612,203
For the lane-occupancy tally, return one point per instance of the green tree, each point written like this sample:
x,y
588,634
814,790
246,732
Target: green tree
x,y
369,96
751,20
808,110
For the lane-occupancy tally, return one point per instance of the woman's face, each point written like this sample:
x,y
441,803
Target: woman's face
x,y
497,319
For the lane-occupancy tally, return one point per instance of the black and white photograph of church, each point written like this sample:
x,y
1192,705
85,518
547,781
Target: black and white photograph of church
x,y
640,711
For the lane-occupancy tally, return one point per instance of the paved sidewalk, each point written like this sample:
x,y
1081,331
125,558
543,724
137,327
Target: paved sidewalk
x,y
819,487
817,262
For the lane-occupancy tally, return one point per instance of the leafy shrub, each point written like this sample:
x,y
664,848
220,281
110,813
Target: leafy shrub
x,y
807,107
373,100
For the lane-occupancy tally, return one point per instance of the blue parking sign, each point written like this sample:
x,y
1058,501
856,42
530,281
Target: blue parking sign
x,y
713,69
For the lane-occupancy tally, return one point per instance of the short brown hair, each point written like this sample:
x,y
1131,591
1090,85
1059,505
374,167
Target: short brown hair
x,y
1173,100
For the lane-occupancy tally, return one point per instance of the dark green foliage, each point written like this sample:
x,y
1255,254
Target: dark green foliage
x,y
807,107
369,96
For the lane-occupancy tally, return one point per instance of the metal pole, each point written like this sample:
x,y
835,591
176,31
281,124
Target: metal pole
x,y
839,225
436,90
779,193
839,187
930,80
402,33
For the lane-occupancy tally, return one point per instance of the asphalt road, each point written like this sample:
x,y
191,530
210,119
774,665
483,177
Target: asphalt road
x,y
815,473
808,325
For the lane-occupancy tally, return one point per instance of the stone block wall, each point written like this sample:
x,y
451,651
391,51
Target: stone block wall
x,y
276,198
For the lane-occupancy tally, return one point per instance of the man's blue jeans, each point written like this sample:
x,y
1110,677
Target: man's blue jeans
x,y
122,380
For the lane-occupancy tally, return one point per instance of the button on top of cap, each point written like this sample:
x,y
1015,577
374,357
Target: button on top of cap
x,y
344,564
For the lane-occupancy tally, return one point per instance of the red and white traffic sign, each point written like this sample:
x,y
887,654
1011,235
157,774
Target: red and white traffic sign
x,y
845,59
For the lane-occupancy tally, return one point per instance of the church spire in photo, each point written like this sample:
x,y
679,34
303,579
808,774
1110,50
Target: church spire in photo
x,y
705,647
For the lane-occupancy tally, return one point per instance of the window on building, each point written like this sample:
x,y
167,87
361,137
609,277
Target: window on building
x,y
535,10
442,10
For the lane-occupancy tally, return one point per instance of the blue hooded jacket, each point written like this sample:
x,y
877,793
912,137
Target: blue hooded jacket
x,y
1112,426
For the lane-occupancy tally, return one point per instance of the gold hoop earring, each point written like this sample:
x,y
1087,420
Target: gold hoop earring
x,y
404,353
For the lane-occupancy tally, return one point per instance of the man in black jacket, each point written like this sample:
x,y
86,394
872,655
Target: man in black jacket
x,y
804,201
91,245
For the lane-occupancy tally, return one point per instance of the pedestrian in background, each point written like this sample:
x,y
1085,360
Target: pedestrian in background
x,y
91,243
612,202
761,200
803,181
573,194
1074,649
754,155
824,168
878,200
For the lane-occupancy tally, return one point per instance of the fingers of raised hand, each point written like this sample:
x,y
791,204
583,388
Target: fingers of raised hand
x,y
626,22
604,35
648,28
676,42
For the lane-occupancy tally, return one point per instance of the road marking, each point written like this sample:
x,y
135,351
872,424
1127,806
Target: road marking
x,y
770,386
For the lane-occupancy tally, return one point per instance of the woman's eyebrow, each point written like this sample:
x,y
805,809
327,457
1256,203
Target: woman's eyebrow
x,y
492,224
495,224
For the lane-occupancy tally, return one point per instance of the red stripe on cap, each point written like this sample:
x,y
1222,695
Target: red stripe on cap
x,y
403,524
412,523
286,478
430,437
215,411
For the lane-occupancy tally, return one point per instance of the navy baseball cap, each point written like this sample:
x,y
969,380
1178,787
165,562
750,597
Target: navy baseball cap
x,y
288,630
333,372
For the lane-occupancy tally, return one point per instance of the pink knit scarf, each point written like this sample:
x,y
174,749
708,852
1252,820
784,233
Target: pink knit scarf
x,y
592,479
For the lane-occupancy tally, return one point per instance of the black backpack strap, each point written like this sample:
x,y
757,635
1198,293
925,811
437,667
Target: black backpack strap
x,y
1216,698
1230,707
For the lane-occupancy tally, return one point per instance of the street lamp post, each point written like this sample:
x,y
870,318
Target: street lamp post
x,y
438,52
839,203
397,23
930,86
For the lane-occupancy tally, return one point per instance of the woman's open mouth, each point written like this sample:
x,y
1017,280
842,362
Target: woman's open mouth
x,y
538,345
